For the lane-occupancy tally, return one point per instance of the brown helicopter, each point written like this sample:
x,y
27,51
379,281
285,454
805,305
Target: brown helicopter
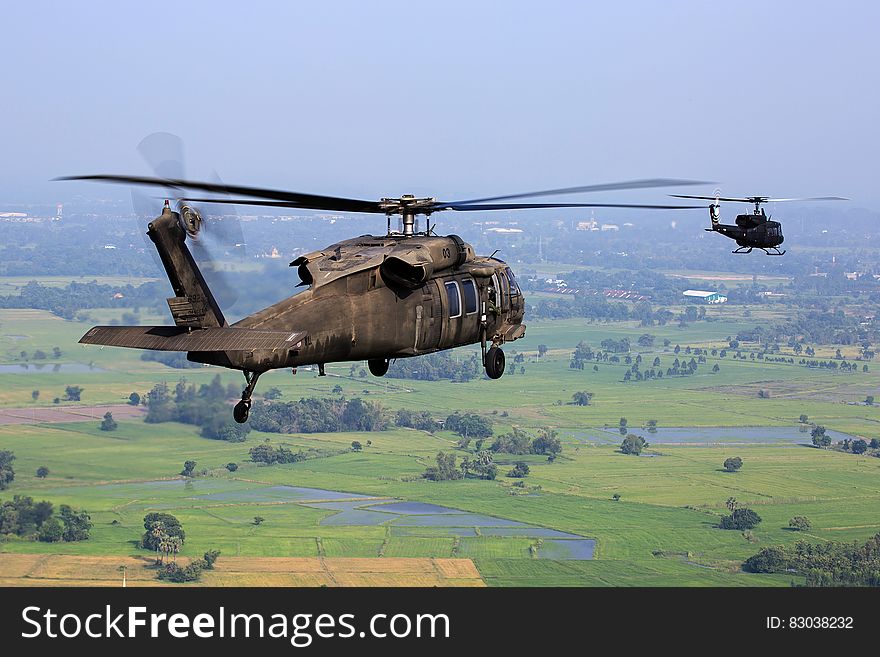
x,y
373,298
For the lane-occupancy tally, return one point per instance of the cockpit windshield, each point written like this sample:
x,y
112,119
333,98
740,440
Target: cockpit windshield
x,y
514,288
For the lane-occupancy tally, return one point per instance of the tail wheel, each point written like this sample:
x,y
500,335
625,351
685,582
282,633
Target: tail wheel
x,y
494,363
378,366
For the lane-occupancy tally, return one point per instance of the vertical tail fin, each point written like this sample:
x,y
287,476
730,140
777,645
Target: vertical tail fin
x,y
193,304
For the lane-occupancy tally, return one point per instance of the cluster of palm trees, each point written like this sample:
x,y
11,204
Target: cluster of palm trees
x,y
166,545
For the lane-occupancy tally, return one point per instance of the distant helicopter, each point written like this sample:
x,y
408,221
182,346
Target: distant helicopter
x,y
753,230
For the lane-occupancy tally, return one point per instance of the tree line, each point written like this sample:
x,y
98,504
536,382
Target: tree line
x,y
824,564
36,521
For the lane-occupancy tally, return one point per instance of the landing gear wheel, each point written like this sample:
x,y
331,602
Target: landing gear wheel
x,y
378,366
494,363
241,411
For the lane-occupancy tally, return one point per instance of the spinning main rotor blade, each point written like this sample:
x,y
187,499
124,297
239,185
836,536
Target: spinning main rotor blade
x,y
607,187
761,199
284,199
465,207
306,201
468,207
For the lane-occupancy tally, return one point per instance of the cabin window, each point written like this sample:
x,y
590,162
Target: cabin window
x,y
454,297
470,296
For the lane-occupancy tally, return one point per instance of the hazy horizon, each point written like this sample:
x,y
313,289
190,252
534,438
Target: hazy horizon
x,y
451,100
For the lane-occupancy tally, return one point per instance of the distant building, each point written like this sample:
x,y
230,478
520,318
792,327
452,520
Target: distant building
x,y
706,296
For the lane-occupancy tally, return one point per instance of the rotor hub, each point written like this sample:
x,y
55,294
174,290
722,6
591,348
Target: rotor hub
x,y
408,206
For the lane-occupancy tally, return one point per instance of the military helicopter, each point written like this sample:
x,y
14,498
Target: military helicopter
x,y
753,230
373,298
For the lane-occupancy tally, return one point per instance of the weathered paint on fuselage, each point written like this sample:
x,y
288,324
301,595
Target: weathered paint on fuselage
x,y
353,310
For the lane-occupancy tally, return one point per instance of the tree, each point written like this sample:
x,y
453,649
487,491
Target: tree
x,y
542,350
859,446
623,422
158,524
768,560
803,418
73,393
633,444
51,531
740,519
716,368
337,389
733,463
220,427
35,395
731,504
869,400
232,467
547,443
134,399
259,520
469,425
356,446
188,467
800,524
108,423
820,438
520,470
209,558
445,469
77,524
582,398
7,474
42,472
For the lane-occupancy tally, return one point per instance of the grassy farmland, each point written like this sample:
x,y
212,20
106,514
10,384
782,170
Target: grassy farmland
x,y
660,531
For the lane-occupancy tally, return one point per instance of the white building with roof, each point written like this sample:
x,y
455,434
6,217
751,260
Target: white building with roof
x,y
705,296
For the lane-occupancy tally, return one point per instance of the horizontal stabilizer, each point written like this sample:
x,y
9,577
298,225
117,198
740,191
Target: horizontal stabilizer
x,y
180,338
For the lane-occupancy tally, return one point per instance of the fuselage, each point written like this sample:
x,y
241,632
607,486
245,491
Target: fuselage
x,y
387,297
752,230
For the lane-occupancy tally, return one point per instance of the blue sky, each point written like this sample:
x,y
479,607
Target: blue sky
x,y
449,99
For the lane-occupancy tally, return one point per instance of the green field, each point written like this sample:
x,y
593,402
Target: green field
x,y
660,532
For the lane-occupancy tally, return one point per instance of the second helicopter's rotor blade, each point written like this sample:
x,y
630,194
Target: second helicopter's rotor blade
x,y
606,187
469,207
310,201
807,198
760,199
711,198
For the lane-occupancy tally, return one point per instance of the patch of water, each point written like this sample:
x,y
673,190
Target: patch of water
x,y
533,532
577,549
280,494
709,435
457,520
414,508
